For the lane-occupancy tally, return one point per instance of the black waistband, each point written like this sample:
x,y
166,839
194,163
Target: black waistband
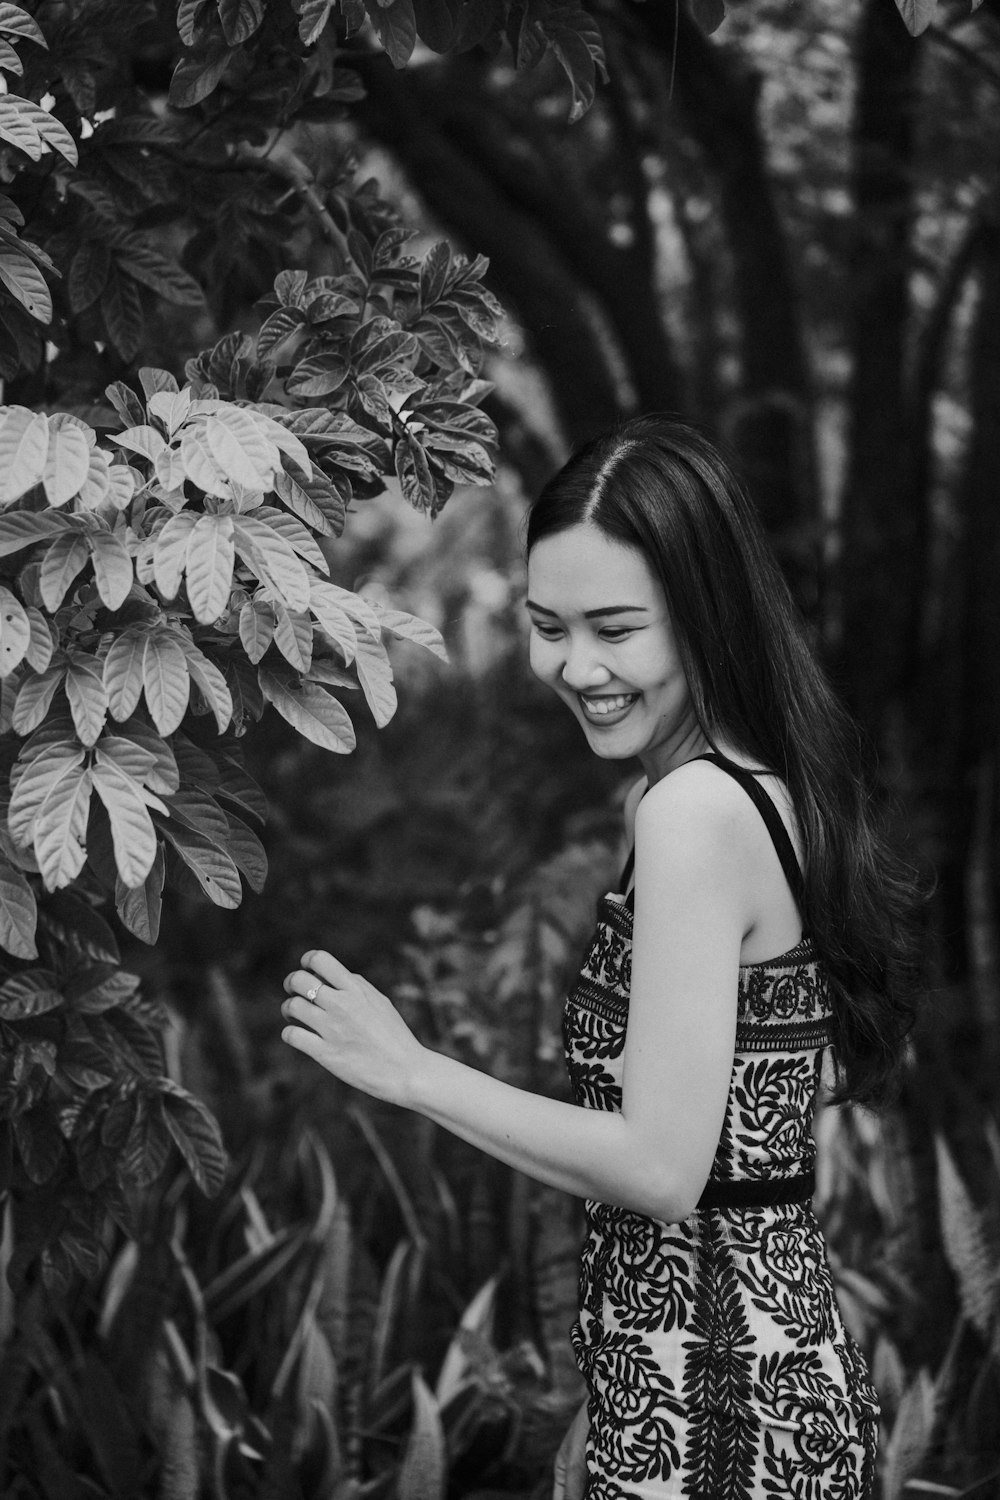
x,y
768,1192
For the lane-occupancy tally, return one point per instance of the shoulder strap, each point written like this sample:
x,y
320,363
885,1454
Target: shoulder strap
x,y
783,846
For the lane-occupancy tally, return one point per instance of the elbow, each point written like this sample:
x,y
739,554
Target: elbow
x,y
667,1196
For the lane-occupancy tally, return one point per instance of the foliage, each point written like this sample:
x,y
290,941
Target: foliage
x,y
161,575
939,1426
254,1347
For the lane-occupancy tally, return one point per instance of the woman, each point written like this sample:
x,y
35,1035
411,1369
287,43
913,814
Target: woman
x,y
763,928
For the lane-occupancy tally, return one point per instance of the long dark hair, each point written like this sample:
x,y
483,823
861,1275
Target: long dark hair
x,y
658,485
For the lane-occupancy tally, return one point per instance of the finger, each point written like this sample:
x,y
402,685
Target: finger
x,y
304,1041
297,1008
329,969
301,982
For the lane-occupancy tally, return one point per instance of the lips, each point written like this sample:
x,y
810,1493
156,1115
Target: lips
x,y
607,708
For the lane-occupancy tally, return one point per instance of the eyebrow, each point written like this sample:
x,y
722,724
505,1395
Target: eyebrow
x,y
592,614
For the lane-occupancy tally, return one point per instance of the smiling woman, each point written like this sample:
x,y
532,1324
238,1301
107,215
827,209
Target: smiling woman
x,y
765,928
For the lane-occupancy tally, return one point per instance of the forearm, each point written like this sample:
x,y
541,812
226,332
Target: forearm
x,y
590,1153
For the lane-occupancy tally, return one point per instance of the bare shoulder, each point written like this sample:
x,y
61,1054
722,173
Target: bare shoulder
x,y
697,807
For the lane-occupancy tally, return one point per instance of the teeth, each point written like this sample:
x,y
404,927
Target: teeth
x,y
608,705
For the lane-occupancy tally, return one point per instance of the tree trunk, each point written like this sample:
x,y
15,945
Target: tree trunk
x,y
878,518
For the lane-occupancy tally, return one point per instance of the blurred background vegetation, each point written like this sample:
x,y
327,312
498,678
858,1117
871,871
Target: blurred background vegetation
x,y
787,227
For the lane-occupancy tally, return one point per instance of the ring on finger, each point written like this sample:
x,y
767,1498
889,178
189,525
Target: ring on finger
x,y
311,994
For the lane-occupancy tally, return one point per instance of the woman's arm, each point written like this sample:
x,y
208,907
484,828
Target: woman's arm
x,y
653,1157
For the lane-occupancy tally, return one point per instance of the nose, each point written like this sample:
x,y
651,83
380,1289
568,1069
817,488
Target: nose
x,y
583,668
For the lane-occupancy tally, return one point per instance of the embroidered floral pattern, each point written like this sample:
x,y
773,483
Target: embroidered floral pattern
x,y
716,1358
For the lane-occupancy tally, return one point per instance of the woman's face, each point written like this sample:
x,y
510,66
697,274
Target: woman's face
x,y
601,638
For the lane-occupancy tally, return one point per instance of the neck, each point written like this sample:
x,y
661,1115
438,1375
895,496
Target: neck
x,y
689,741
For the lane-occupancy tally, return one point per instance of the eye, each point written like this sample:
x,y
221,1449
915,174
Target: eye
x,y
615,632
546,630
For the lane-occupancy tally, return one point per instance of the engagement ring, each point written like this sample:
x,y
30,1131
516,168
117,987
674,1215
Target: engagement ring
x,y
311,994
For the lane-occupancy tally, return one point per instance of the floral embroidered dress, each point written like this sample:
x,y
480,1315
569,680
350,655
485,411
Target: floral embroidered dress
x,y
717,1364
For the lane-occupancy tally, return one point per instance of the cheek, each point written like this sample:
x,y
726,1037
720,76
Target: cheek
x,y
543,659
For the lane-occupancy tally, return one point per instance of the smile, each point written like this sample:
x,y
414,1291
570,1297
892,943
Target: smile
x,y
607,710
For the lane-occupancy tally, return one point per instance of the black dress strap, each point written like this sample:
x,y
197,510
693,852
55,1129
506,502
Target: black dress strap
x,y
783,846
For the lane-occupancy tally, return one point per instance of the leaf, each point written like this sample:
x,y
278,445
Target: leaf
x,y
233,459
113,570
213,869
166,682
61,830
409,627
61,564
121,309
254,436
246,849
313,16
52,132
139,907
172,408
97,485
278,327
18,128
88,274
164,777
293,635
375,676
210,682
88,702
122,482
198,810
41,646
126,403
295,534
34,697
141,439
197,1136
15,632
123,677
299,499
917,14
423,1473
240,19
132,830
200,463
24,442
153,379
170,554
968,1249
23,528
273,560
15,21
19,912
9,61
33,783
257,622
414,475
33,993
313,712
211,555
333,619
139,258
195,77
319,375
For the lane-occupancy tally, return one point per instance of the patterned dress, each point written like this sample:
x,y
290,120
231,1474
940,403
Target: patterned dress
x,y
717,1364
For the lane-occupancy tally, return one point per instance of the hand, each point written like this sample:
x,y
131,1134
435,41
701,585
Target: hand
x,y
350,1028
571,1460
